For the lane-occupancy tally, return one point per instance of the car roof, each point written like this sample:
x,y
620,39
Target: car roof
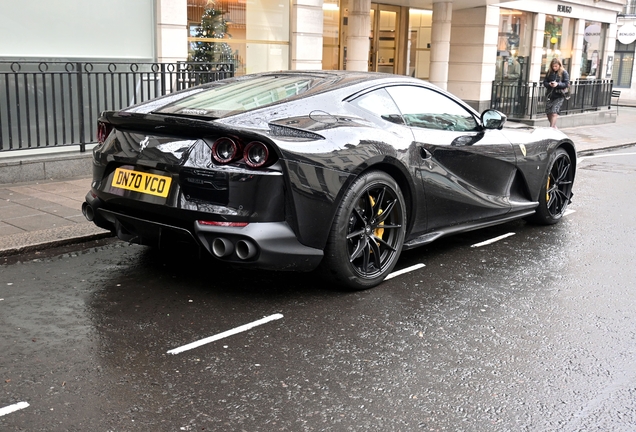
x,y
344,83
341,78
235,95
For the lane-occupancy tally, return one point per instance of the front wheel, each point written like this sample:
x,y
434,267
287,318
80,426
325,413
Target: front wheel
x,y
556,191
367,233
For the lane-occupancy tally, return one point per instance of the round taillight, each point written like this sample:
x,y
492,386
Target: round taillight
x,y
256,154
103,130
225,150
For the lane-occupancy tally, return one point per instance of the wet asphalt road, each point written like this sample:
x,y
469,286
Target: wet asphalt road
x,y
534,332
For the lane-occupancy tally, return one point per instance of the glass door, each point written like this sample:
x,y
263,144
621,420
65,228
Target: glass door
x,y
383,38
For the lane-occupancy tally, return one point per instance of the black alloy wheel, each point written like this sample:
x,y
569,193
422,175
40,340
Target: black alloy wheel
x,y
556,192
367,234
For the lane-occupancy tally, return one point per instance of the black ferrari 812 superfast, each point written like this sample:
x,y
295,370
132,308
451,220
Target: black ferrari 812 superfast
x,y
320,169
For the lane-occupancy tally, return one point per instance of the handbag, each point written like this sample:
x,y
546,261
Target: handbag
x,y
566,92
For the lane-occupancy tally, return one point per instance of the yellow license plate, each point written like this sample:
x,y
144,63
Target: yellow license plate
x,y
142,182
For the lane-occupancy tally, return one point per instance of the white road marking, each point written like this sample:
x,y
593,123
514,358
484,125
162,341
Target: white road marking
x,y
225,334
496,239
606,155
404,270
12,408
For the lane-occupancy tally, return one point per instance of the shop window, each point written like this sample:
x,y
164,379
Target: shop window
x,y
513,46
629,8
419,43
558,42
330,35
592,50
623,64
253,35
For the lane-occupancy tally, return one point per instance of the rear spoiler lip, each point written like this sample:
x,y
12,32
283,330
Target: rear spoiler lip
x,y
165,124
193,127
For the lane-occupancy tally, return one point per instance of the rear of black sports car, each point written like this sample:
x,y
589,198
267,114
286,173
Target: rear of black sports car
x,y
157,190
167,172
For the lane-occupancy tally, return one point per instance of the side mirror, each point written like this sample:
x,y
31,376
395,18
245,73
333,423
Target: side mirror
x,y
493,119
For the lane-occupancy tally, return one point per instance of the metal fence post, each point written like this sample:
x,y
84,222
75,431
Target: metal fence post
x,y
163,78
80,107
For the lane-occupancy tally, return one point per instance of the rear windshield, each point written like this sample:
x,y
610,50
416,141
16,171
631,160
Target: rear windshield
x,y
240,96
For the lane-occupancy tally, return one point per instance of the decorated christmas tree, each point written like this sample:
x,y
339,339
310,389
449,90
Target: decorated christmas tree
x,y
213,25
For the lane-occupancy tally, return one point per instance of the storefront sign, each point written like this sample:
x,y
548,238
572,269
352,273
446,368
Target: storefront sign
x,y
626,34
593,34
564,9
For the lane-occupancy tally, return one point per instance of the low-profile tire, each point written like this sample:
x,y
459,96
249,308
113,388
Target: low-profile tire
x,y
556,189
367,233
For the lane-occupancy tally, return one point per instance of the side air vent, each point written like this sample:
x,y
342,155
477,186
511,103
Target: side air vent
x,y
285,131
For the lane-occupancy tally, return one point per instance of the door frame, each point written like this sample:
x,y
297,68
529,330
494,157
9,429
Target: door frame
x,y
375,37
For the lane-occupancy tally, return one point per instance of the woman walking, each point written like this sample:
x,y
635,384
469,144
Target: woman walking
x,y
556,80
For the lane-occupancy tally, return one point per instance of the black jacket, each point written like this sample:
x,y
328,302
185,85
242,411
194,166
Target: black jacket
x,y
563,83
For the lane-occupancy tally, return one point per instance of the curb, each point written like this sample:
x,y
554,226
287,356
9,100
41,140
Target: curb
x,y
45,166
45,239
591,152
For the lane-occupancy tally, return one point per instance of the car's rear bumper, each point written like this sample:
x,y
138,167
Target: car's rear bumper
x,y
265,245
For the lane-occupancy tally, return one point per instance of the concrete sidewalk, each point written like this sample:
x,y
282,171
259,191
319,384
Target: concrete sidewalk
x,y
41,214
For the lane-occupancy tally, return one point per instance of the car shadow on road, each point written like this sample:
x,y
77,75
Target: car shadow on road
x,y
204,272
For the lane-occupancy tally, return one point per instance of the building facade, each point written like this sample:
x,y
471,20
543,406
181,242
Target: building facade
x,y
462,45
623,72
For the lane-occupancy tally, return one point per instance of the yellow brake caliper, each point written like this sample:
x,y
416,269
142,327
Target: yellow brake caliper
x,y
547,189
379,232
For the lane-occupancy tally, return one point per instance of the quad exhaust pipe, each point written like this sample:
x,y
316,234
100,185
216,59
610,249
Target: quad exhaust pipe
x,y
245,249
88,211
223,248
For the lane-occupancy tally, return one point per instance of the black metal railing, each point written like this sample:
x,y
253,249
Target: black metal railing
x,y
48,104
527,100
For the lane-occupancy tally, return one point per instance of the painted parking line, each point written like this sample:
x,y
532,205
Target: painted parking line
x,y
12,408
605,155
493,240
225,334
404,270
501,237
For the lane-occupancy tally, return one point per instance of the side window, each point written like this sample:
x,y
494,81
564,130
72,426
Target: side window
x,y
426,108
379,103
